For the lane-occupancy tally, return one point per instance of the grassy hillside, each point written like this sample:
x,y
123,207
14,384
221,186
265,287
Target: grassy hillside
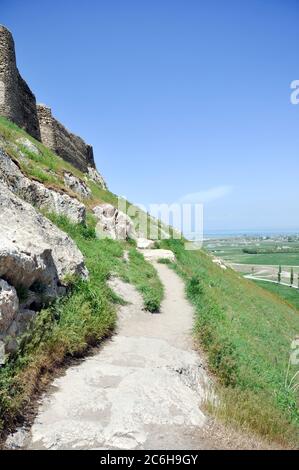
x,y
290,295
245,330
48,168
87,314
247,333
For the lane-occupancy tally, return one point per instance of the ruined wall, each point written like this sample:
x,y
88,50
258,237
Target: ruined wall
x,y
17,102
46,126
68,146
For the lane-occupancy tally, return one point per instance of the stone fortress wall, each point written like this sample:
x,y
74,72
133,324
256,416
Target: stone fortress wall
x,y
18,104
17,100
70,147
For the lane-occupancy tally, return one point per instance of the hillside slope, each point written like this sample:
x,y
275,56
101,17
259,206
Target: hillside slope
x,y
245,331
247,334
86,314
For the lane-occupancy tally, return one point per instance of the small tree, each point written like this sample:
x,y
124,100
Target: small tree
x,y
279,274
292,276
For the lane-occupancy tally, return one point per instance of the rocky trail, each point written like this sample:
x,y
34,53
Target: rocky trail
x,y
144,389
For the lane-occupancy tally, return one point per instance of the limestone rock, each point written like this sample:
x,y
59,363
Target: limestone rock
x,y
155,255
37,194
113,223
145,244
95,176
34,255
76,185
28,145
19,325
31,247
9,305
18,439
219,263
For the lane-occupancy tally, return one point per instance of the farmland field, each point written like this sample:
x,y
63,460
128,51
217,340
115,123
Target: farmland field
x,y
256,250
259,256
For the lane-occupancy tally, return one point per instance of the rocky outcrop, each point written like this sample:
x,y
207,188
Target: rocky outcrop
x,y
35,258
76,185
113,223
13,320
27,144
145,244
95,176
37,194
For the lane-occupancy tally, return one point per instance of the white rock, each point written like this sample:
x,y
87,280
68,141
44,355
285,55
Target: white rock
x,y
113,223
37,194
145,244
33,252
18,439
31,247
95,176
76,185
219,263
28,145
9,305
155,255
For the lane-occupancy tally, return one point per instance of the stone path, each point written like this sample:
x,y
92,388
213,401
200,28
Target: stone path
x,y
144,389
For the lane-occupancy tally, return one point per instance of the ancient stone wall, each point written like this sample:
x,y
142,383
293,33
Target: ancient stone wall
x,y
46,126
70,147
17,102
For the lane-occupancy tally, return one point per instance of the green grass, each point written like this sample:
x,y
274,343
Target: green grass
x,y
288,294
245,330
284,259
49,169
67,328
144,276
138,271
73,323
246,333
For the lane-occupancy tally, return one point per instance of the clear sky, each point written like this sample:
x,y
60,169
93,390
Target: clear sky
x,y
176,96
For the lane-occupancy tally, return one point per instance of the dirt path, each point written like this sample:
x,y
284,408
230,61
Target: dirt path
x,y
143,390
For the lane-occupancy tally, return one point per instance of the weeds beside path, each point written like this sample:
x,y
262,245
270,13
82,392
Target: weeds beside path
x,y
246,333
73,323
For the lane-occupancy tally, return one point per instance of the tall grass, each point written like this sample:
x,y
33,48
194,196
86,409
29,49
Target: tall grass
x,y
73,323
246,333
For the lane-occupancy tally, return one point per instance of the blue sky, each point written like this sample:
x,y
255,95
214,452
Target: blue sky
x,y
177,97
